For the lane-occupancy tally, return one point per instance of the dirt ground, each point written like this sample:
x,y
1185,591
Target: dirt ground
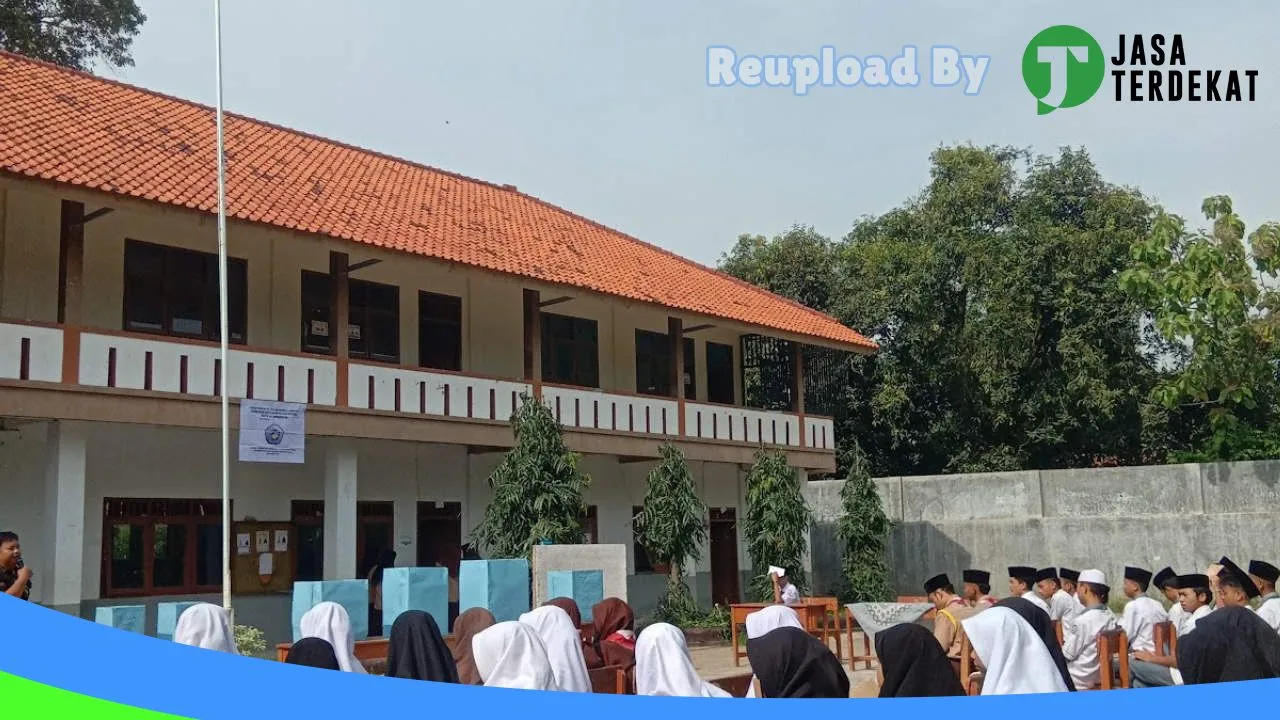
x,y
716,661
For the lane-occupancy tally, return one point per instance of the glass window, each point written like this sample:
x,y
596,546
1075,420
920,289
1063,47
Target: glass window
x,y
570,350
161,547
720,373
373,322
439,331
126,556
653,363
173,291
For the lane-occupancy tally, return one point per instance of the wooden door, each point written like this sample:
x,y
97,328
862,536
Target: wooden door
x,y
440,535
725,578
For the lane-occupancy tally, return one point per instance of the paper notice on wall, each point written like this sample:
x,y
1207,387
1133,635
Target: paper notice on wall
x,y
266,564
272,432
263,541
242,544
282,541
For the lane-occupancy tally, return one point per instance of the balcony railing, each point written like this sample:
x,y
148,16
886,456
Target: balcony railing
x,y
34,352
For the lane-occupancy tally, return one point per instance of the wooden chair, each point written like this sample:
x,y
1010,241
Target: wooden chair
x,y
1112,644
365,650
968,666
866,656
1166,639
975,684
609,680
830,622
735,685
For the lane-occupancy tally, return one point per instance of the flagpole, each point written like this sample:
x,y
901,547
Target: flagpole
x,y
222,317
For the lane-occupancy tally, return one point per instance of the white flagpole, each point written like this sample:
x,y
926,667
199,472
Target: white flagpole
x,y
222,318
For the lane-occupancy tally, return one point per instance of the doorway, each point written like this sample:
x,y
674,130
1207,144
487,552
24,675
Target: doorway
x,y
725,578
375,533
440,544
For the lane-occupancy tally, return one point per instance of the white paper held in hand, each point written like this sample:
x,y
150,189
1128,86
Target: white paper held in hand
x,y
777,571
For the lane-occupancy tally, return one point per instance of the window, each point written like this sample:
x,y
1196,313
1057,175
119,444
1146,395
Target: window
x,y
767,373
308,517
373,323
570,351
161,547
374,533
439,331
591,524
653,365
720,373
171,291
639,555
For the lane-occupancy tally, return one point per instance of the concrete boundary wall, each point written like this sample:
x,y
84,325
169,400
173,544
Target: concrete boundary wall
x,y
1185,516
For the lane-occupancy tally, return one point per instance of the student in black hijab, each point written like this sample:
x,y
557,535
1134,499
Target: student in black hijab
x,y
914,664
1229,644
791,663
416,650
313,652
1039,621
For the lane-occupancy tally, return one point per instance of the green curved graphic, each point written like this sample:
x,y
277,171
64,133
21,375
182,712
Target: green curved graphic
x,y
25,698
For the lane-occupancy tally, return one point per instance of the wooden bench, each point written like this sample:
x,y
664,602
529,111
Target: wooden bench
x,y
366,651
735,685
609,680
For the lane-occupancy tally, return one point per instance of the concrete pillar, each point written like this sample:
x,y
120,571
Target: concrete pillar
x,y
802,478
61,581
340,534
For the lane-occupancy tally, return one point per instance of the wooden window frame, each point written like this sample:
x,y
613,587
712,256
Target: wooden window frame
x,y
711,348
441,324
551,346
149,521
365,510
356,316
237,298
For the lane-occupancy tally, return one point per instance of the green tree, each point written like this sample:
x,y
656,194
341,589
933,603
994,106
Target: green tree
x,y
537,489
777,523
672,526
1005,339
73,33
1212,294
864,530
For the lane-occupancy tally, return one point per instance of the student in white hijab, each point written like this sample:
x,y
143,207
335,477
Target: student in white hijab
x,y
563,643
510,655
663,665
330,622
766,620
1014,658
205,626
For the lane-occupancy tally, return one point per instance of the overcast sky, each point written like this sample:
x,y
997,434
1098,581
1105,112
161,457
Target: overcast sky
x,y
603,107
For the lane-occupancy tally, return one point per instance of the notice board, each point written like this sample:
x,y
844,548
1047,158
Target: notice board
x,y
262,557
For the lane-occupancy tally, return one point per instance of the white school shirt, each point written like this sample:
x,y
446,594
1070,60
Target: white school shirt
x,y
1269,610
1177,616
1188,624
1080,643
1062,605
790,595
1141,615
1039,601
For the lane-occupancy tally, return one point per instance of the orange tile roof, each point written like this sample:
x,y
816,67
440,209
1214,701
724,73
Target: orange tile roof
x,y
70,127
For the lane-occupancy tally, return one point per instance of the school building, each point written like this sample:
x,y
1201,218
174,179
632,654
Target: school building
x,y
408,307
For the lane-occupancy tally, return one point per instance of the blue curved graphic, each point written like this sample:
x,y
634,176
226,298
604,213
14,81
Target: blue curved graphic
x,y
96,661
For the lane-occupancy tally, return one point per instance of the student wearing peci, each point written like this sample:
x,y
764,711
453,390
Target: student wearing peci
x,y
1142,613
1022,580
952,609
1166,581
1068,579
1060,604
1080,633
1150,670
1235,588
1264,575
977,588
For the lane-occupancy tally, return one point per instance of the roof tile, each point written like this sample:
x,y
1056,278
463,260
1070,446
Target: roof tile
x,y
64,125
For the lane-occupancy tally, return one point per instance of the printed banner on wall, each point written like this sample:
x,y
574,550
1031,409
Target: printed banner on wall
x,y
272,432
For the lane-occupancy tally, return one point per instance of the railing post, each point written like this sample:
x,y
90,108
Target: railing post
x,y
71,286
339,318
